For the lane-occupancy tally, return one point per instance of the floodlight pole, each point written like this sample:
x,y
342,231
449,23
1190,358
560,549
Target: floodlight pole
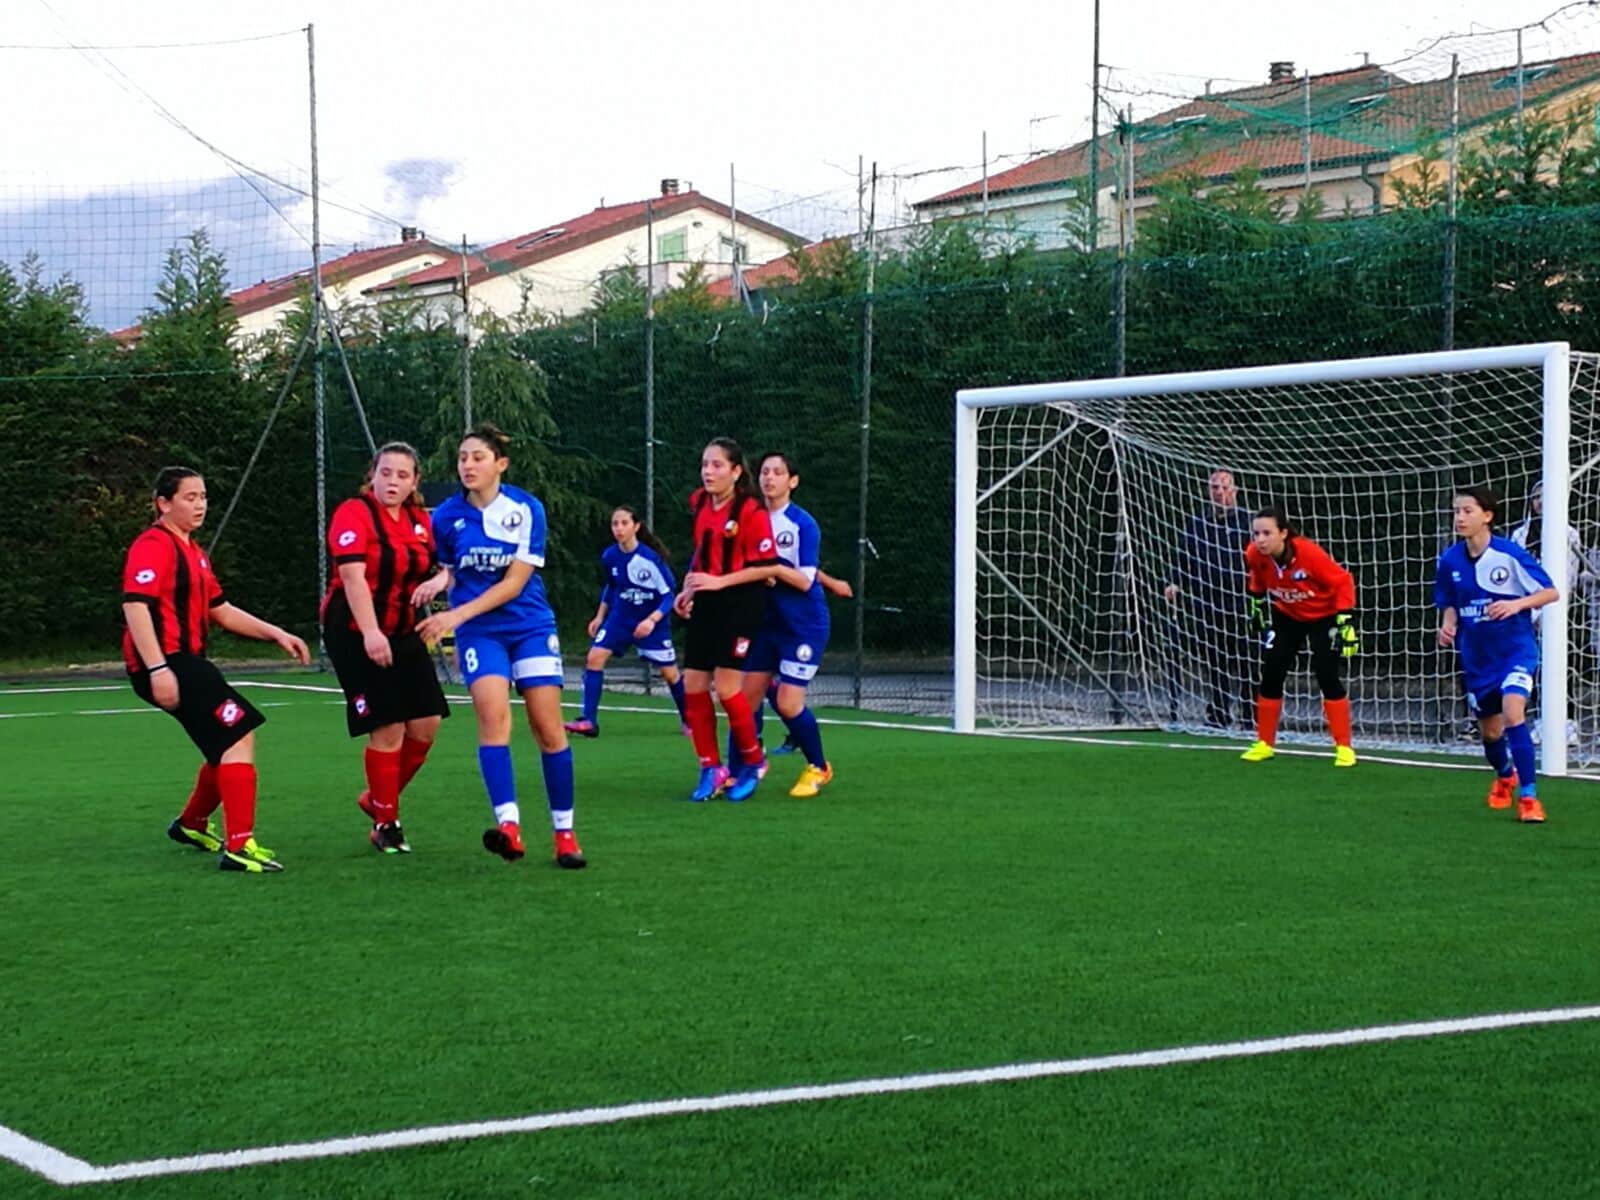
x,y
650,363
318,400
1094,140
863,542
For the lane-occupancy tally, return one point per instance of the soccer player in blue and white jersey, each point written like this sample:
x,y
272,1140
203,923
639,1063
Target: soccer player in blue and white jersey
x,y
490,539
634,602
794,633
1486,587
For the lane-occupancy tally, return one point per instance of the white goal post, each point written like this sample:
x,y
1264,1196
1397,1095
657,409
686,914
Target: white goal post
x,y
1072,499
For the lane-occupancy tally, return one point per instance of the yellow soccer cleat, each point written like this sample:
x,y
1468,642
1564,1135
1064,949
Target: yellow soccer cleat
x,y
251,857
1344,756
1259,752
811,781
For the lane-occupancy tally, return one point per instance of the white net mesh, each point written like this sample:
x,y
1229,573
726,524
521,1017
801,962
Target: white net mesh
x,y
1087,511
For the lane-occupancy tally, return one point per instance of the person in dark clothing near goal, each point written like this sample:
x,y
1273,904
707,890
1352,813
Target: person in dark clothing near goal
x,y
1205,589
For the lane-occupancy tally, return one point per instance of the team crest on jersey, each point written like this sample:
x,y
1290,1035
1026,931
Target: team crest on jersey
x,y
229,713
360,705
730,528
741,647
512,520
145,576
766,545
642,575
347,538
803,653
420,530
554,643
785,540
1499,575
1297,575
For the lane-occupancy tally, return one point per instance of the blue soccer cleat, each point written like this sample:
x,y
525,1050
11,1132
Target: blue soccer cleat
x,y
712,781
744,784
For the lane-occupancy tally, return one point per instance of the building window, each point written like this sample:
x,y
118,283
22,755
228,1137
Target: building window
x,y
1362,103
673,247
741,250
1529,75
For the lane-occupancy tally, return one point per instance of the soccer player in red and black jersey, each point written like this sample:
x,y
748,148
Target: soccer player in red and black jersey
x,y
724,597
382,548
1310,599
170,596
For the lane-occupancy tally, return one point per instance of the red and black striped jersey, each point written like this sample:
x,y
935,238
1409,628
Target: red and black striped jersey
x,y
396,549
728,538
173,576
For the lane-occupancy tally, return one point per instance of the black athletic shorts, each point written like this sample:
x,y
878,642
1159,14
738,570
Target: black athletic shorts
x,y
211,712
722,626
373,695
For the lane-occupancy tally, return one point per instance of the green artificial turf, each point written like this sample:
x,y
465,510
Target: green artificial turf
x,y
946,903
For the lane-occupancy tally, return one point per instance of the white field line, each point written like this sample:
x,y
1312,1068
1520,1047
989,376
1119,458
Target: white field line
x,y
1081,739
62,1169
56,691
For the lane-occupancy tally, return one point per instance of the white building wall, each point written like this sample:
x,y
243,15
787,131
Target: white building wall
x,y
339,295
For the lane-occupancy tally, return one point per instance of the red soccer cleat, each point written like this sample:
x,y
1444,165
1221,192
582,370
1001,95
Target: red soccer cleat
x,y
568,856
1502,791
505,839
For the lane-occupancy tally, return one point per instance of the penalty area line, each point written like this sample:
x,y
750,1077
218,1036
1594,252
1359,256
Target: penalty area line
x,y
1078,739
62,1169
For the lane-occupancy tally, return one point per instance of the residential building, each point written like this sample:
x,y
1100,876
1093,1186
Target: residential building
x,y
1347,137
553,271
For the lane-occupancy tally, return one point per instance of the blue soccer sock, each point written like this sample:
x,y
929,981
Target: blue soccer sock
x,y
676,688
809,736
1520,738
1498,754
592,682
494,762
558,787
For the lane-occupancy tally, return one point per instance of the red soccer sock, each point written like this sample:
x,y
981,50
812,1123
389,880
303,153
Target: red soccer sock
x,y
1267,712
1337,714
383,783
413,753
237,783
742,724
702,720
203,800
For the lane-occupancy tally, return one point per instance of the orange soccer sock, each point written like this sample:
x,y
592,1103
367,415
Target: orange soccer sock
x,y
1267,713
237,783
203,800
1337,714
383,783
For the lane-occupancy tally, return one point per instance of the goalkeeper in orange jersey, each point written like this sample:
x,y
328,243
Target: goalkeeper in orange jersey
x,y
1298,594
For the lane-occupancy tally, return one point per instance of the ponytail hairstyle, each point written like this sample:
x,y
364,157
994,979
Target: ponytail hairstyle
x,y
167,482
492,436
410,451
743,488
1276,514
644,533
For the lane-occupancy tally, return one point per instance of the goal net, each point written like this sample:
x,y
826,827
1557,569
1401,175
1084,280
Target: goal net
x,y
1099,525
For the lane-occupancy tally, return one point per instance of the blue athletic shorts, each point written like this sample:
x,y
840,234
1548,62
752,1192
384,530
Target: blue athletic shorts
x,y
526,659
1485,693
792,657
616,635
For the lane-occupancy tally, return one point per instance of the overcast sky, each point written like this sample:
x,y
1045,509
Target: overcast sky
x,y
489,119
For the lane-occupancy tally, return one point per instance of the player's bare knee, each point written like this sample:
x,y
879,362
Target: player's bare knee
x,y
596,660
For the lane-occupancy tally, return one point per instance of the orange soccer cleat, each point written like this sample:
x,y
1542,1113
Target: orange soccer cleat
x,y
1529,810
1502,791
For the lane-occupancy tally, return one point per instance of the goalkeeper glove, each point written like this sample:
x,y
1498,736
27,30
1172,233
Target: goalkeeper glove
x,y
1260,613
1342,637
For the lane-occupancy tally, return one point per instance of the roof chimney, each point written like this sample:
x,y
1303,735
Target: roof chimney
x,y
1281,72
669,187
410,233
